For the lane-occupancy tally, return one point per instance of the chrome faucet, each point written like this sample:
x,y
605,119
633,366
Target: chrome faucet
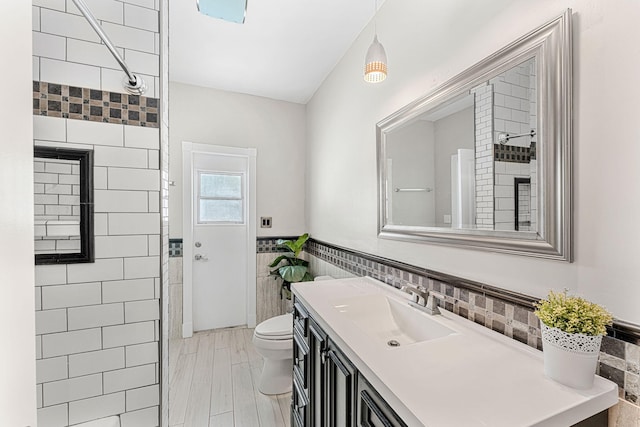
x,y
423,299
418,293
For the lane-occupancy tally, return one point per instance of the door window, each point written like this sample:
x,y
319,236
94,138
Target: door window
x,y
220,198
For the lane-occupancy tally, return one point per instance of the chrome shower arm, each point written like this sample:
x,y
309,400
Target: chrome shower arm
x,y
133,83
505,137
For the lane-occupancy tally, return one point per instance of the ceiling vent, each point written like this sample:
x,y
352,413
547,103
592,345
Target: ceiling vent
x,y
228,10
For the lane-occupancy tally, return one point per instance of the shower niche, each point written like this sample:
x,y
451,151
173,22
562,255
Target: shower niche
x,y
63,205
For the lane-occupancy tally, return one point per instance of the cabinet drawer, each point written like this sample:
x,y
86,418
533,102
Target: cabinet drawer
x,y
300,319
300,358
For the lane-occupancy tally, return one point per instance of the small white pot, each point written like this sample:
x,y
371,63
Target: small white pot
x,y
570,359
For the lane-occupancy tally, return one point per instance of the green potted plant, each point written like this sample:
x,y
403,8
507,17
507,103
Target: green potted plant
x,y
572,330
290,268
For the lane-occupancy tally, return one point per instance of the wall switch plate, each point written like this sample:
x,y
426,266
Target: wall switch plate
x,y
447,219
265,222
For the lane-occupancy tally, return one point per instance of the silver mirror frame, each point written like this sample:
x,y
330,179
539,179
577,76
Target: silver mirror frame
x,y
551,45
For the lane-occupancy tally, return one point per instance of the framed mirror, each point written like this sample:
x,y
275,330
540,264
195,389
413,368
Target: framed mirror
x,y
484,161
63,205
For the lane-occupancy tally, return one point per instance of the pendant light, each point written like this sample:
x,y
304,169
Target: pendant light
x,y
375,64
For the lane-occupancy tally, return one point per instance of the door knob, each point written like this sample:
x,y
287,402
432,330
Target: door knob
x,y
199,257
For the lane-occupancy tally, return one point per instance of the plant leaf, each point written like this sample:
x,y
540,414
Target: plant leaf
x,y
292,273
299,243
294,246
279,259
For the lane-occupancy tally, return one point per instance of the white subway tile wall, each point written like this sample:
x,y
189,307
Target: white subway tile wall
x,y
86,132
484,155
111,11
515,112
97,340
53,416
49,128
89,53
141,354
98,407
142,418
125,246
69,73
142,397
68,51
53,179
96,361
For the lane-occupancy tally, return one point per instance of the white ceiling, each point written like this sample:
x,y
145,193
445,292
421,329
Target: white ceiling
x,y
284,50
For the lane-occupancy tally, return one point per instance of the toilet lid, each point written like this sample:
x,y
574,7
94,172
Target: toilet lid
x,y
276,327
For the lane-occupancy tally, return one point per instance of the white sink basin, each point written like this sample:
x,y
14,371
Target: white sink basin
x,y
390,322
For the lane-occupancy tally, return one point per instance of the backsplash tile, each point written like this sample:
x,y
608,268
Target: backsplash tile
x,y
506,312
72,102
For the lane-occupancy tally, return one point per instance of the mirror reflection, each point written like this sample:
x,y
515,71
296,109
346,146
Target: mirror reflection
x,y
483,161
469,162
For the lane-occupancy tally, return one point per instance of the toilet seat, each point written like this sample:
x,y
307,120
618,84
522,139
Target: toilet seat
x,y
276,328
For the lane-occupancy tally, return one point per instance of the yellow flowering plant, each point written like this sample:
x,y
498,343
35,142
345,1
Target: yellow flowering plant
x,y
573,314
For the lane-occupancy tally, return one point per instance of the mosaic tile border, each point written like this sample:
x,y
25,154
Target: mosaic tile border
x,y
514,153
72,102
175,247
269,244
263,245
503,311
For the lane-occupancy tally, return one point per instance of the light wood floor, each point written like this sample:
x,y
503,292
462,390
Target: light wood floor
x,y
214,383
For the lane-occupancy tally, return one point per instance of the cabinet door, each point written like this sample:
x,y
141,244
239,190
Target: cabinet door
x,y
372,410
299,404
339,392
318,345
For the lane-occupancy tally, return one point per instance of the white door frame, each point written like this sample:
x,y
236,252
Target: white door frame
x,y
188,150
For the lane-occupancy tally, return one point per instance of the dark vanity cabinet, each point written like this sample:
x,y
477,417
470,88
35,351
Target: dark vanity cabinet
x,y
373,411
340,377
328,391
318,344
300,403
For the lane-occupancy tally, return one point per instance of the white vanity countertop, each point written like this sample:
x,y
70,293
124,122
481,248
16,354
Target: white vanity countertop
x,y
474,377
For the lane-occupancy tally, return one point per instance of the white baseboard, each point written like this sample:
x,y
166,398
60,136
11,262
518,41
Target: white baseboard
x,y
187,330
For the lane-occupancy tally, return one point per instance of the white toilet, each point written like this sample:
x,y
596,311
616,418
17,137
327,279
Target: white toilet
x,y
273,340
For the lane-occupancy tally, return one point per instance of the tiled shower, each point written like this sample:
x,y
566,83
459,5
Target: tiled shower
x,y
98,328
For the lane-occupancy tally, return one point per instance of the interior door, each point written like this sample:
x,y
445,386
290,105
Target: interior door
x,y
220,241
219,237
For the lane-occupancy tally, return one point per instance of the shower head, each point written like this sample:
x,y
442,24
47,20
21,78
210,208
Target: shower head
x,y
504,137
228,10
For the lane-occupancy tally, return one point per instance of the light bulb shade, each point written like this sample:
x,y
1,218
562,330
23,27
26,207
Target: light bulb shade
x,y
229,10
375,64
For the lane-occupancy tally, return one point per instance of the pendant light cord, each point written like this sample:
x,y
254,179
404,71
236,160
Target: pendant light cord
x,y
375,17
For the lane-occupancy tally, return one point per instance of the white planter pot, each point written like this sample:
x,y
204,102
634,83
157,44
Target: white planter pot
x,y
570,359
